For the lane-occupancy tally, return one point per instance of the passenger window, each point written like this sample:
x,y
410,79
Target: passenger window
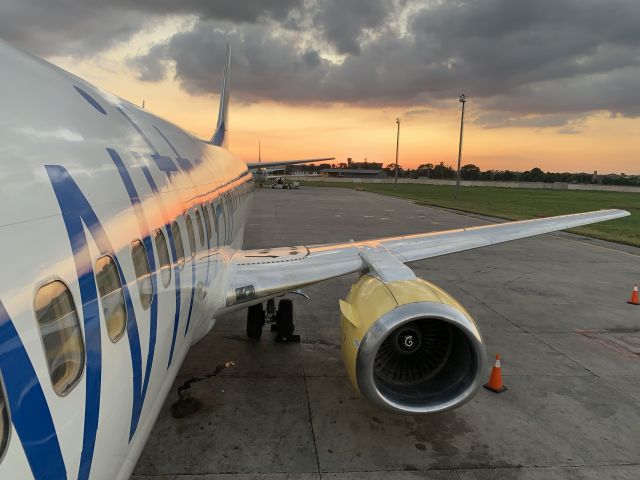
x,y
214,225
177,240
190,234
141,267
111,296
4,422
163,258
200,228
61,335
223,223
207,220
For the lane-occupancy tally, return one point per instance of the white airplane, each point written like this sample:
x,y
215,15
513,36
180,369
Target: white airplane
x,y
122,237
262,173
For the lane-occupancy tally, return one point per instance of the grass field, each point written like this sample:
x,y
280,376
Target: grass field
x,y
520,204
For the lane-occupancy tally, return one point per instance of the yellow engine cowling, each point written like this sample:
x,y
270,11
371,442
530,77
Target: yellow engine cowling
x,y
409,347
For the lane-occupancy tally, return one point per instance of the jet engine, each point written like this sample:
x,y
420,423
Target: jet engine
x,y
409,347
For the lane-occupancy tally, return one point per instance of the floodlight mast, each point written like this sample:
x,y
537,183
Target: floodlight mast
x,y
395,174
462,99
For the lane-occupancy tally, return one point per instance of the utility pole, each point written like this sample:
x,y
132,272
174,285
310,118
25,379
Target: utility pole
x,y
395,182
462,99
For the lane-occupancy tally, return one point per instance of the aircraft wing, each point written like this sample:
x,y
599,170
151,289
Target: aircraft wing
x,y
253,166
264,273
275,169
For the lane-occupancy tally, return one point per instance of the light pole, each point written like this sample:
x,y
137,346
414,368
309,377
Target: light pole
x,y
395,182
462,99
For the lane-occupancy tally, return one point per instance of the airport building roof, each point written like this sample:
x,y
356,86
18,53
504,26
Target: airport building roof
x,y
357,171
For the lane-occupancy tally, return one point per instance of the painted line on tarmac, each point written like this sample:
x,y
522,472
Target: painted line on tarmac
x,y
589,244
495,220
559,234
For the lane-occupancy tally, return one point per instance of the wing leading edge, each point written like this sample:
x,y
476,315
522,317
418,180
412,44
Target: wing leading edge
x,y
265,273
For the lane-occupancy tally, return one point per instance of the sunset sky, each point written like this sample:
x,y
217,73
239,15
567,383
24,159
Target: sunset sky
x,y
552,84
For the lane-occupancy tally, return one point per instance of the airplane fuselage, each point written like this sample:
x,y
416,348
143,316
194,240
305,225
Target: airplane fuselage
x,y
92,189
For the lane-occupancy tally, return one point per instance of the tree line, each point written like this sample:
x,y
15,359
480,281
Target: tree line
x,y
470,171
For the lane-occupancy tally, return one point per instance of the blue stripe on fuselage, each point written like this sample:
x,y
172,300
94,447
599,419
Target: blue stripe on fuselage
x,y
140,385
185,165
166,165
76,212
28,406
176,269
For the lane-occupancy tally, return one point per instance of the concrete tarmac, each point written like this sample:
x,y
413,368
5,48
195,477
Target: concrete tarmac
x,y
553,306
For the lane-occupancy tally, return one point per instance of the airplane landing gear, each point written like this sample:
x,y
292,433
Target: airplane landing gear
x,y
255,321
281,320
284,322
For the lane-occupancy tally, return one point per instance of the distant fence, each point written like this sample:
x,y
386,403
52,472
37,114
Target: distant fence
x,y
473,183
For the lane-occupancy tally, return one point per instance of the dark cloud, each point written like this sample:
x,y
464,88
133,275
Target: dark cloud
x,y
86,27
565,123
243,11
60,28
343,22
262,66
614,91
545,61
505,44
151,67
312,58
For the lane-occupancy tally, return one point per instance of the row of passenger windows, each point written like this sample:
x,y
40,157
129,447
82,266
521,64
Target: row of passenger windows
x,y
57,317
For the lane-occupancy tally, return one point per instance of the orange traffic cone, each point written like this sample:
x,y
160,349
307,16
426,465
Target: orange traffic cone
x,y
495,381
634,296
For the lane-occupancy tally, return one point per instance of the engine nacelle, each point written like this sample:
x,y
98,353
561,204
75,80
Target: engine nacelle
x,y
409,347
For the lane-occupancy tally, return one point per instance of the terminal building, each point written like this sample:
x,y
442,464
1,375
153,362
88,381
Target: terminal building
x,y
352,173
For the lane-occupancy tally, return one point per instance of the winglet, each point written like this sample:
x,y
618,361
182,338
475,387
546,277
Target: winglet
x,y
220,135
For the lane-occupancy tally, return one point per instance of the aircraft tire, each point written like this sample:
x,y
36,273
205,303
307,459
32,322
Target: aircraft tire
x,y
284,319
255,321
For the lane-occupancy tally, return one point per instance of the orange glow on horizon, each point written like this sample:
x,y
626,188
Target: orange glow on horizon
x,y
604,144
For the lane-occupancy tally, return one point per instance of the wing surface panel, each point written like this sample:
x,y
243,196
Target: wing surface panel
x,y
264,273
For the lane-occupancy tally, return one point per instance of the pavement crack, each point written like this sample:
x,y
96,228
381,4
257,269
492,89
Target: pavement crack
x,y
186,404
563,354
490,307
313,433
